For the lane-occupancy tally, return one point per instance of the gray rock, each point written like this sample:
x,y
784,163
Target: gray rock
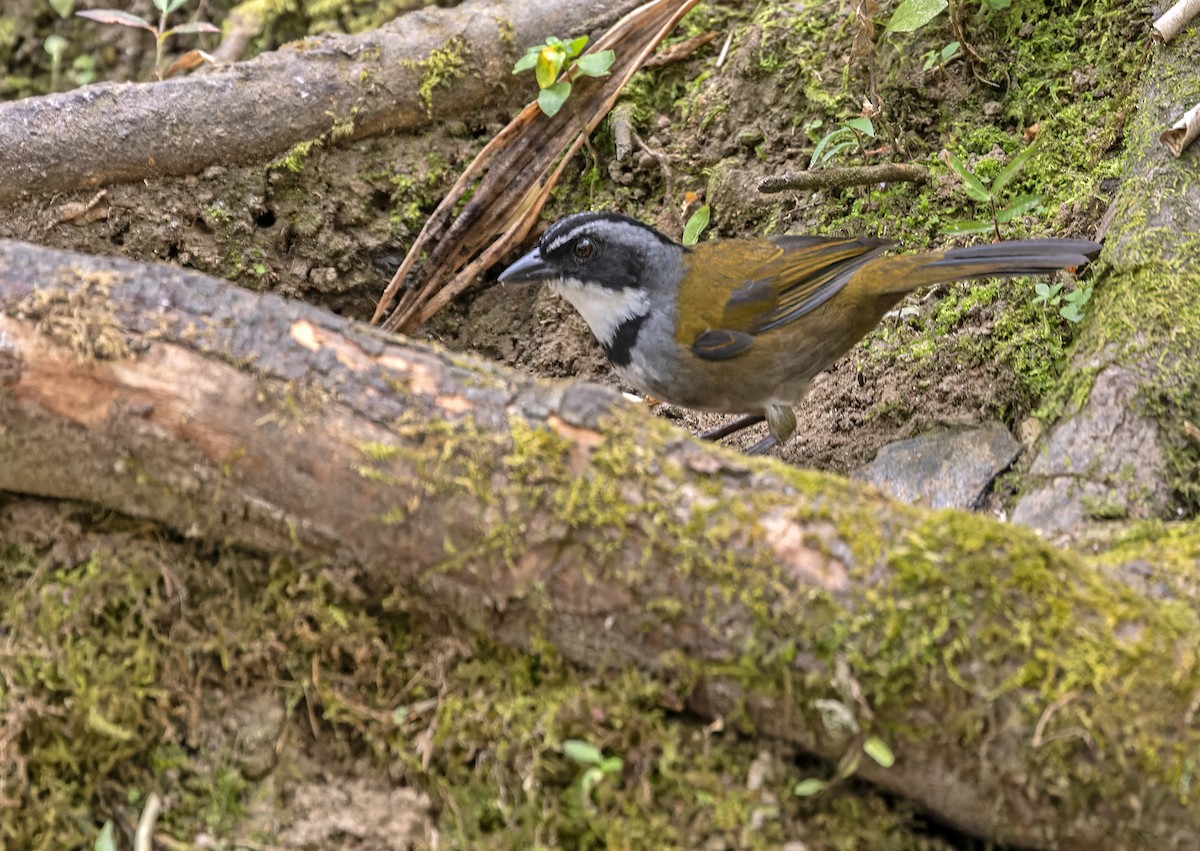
x,y
944,469
1102,463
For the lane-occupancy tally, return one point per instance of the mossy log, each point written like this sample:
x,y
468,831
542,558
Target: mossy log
x,y
1030,695
424,67
1125,446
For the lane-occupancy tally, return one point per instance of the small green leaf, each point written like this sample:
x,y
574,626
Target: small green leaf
x,y
56,46
972,184
808,787
549,65
62,7
596,64
1071,312
527,61
862,125
967,227
582,752
106,840
116,16
835,150
950,51
877,749
612,765
1079,296
695,226
911,15
1012,169
1019,207
554,40
576,46
173,5
551,100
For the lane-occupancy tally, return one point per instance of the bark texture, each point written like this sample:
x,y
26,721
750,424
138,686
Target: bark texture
x,y
424,66
1029,695
1122,449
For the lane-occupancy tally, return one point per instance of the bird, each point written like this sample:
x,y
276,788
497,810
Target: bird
x,y
743,325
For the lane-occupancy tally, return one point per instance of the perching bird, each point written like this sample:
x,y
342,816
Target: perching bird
x,y
741,326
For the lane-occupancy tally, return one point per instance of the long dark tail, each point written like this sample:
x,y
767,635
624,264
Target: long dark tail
x,y
997,260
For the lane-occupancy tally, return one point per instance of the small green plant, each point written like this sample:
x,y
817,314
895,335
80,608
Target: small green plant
x,y
598,766
939,58
548,60
160,32
1070,305
873,746
56,46
106,840
835,141
911,15
977,189
695,226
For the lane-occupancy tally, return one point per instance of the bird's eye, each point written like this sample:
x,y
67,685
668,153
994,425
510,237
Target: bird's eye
x,y
584,248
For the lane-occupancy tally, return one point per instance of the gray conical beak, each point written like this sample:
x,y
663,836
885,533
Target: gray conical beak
x,y
529,269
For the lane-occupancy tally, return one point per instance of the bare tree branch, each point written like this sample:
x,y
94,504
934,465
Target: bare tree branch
x,y
424,66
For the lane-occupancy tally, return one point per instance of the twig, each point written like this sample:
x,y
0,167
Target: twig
x,y
1184,131
620,121
143,837
1173,20
840,178
725,49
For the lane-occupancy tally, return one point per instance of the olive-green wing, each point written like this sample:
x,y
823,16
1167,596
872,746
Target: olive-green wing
x,y
776,282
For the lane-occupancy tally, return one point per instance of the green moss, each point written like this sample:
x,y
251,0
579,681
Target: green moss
x,y
296,156
443,66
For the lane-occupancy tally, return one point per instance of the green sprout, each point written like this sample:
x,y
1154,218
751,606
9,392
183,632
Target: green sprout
x,y
1070,305
911,15
977,189
695,226
56,46
835,141
873,746
598,766
548,60
160,32
941,58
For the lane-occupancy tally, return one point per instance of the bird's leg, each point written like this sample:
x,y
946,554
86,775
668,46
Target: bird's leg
x,y
781,425
732,427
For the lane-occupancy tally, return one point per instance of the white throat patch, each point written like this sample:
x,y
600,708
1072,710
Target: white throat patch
x,y
602,308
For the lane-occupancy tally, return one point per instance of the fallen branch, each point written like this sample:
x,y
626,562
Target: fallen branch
x,y
840,178
423,67
807,607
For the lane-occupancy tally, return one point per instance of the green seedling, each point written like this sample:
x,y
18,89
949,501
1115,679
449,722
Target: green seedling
x,y
911,15
548,60
1070,305
597,766
835,141
873,746
695,226
940,58
56,46
161,33
978,189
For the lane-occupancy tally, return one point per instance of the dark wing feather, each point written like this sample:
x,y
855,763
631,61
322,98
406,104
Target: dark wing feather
x,y
721,344
809,272
736,289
